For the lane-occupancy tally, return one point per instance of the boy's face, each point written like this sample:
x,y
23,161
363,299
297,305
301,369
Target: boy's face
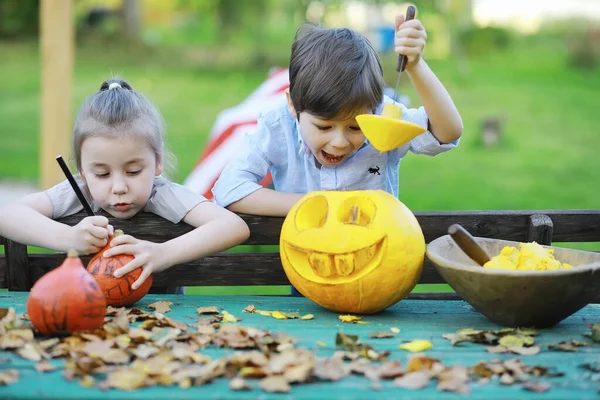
x,y
119,173
330,140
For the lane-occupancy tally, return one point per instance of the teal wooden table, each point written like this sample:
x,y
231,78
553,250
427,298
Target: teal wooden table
x,y
416,320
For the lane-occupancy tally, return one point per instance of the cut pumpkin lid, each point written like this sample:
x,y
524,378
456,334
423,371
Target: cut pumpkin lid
x,y
386,133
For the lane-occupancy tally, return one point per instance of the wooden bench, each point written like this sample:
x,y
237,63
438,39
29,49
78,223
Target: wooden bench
x,y
20,269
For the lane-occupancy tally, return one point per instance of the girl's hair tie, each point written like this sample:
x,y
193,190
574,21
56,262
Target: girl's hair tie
x,y
114,85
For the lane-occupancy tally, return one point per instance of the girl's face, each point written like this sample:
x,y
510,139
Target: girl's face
x,y
330,140
119,173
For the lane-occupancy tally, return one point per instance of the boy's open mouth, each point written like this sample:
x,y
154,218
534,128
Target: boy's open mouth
x,y
330,158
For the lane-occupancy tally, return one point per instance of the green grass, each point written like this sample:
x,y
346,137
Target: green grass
x,y
546,160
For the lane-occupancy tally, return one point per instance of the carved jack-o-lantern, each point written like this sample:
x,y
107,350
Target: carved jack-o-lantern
x,y
352,252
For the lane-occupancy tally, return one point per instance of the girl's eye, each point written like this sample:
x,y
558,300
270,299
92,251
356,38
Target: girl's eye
x,y
101,175
134,172
323,128
355,128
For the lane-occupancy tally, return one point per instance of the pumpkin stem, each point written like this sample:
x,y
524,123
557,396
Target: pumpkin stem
x,y
118,232
72,253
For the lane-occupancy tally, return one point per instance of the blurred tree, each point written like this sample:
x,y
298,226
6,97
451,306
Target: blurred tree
x,y
19,18
131,19
229,13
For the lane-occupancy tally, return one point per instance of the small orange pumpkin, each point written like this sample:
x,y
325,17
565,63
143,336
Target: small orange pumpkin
x,y
66,299
118,291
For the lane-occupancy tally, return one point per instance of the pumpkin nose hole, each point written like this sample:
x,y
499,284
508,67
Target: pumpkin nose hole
x,y
312,213
357,211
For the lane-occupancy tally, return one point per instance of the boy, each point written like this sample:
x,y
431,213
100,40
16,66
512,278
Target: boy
x,y
314,143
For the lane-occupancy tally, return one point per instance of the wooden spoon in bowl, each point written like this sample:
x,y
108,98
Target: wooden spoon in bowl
x,y
467,243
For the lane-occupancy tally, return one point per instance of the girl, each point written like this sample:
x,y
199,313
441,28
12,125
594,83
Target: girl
x,y
120,155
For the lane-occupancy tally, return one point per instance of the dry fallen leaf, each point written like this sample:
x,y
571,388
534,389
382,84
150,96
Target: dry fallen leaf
x,y
239,384
307,317
230,317
350,319
249,309
413,380
454,379
381,334
119,324
594,333
329,369
536,386
507,379
416,345
524,351
570,346
32,352
275,384
419,362
144,351
126,379
456,338
87,381
115,356
592,367
279,315
8,376
45,366
516,341
161,306
208,310
493,337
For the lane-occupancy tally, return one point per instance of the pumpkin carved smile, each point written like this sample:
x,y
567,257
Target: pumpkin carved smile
x,y
329,267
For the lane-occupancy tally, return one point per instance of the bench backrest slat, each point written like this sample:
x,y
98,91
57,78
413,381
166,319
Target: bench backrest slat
x,y
231,269
568,225
18,270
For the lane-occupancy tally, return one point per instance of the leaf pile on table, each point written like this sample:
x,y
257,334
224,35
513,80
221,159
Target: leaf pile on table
x,y
137,348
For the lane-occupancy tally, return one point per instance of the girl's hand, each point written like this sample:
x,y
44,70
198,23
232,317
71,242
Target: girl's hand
x,y
147,255
91,234
410,40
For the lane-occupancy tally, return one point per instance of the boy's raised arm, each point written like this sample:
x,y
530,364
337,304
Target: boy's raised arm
x,y
446,123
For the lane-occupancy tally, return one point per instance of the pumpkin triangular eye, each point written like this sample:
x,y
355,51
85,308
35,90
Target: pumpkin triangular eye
x,y
312,213
358,210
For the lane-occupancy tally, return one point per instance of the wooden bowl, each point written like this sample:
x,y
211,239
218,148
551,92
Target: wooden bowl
x,y
538,299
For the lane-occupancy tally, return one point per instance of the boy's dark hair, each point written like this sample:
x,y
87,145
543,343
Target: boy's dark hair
x,y
334,72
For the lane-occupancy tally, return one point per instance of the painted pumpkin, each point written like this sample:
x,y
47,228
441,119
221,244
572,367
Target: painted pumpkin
x,y
352,252
66,299
118,291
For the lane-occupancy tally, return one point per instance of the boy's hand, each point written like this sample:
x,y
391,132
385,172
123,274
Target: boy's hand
x,y
410,40
91,234
147,255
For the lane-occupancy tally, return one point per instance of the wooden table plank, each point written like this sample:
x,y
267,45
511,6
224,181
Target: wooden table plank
x,y
416,319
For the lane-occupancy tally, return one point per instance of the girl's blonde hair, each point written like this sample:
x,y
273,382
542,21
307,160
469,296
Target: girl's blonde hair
x,y
117,111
